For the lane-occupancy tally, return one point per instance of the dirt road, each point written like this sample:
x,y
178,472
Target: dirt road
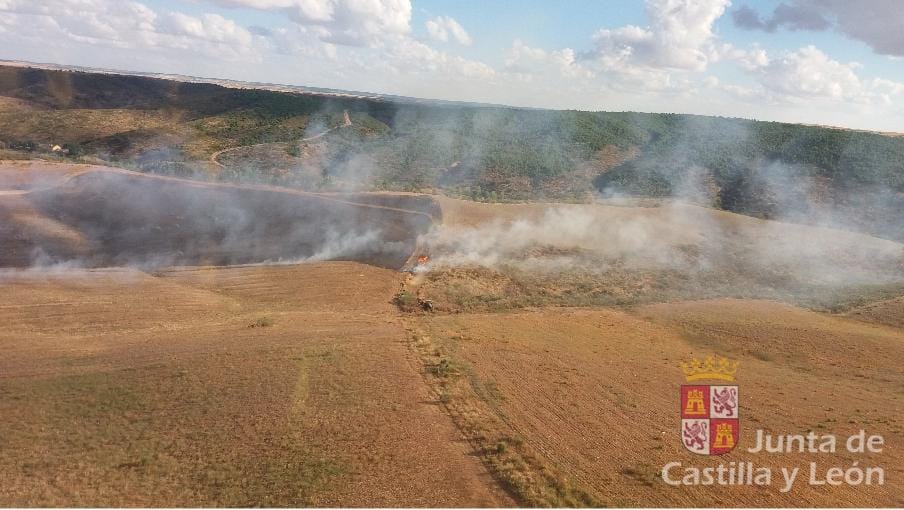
x,y
213,157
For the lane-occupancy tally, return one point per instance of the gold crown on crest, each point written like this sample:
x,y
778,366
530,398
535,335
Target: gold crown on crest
x,y
710,368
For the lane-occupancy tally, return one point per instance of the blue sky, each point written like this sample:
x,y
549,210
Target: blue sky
x,y
830,62
537,22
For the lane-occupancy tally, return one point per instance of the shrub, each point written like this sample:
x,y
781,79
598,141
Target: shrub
x,y
406,301
261,322
444,368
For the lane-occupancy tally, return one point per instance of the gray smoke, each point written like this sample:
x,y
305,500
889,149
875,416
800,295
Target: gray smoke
x,y
109,218
673,236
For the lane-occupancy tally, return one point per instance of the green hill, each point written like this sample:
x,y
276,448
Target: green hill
x,y
800,173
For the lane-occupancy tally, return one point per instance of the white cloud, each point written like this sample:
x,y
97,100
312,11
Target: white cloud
x,y
413,57
750,60
679,36
441,28
347,22
91,21
811,79
886,91
208,27
258,4
810,73
679,40
370,37
525,61
125,25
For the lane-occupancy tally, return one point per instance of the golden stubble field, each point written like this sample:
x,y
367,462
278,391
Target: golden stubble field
x,y
594,392
276,386
305,385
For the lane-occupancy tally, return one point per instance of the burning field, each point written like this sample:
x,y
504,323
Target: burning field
x,y
496,257
173,342
97,217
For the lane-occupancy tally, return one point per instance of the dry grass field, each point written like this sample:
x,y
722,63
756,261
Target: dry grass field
x,y
212,379
593,392
221,386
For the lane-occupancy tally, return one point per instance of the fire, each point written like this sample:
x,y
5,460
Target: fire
x,y
422,260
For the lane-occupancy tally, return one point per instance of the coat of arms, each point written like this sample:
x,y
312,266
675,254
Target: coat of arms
x,y
709,412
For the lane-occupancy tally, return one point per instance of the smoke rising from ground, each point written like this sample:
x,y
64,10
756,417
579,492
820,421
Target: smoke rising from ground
x,y
113,218
143,222
674,236
687,236
566,234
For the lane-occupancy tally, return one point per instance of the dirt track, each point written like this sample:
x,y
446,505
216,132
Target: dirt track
x,y
217,154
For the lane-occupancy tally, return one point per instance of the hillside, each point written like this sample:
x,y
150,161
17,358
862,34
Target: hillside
x,y
808,174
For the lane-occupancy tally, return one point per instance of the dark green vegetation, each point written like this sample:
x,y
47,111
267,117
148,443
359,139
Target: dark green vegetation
x,y
765,169
772,170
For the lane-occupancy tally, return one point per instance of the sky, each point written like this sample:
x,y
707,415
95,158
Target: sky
x,y
831,62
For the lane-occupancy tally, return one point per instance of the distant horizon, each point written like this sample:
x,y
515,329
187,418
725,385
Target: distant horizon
x,y
819,62
371,95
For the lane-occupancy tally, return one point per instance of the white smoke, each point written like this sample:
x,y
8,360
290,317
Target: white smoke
x,y
673,236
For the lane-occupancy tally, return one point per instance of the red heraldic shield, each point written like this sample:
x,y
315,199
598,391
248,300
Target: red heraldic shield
x,y
709,418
